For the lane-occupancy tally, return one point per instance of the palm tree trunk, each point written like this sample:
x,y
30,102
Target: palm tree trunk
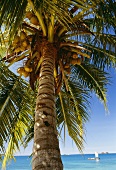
x,y
46,152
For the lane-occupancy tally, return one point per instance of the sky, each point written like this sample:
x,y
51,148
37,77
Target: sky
x,y
100,130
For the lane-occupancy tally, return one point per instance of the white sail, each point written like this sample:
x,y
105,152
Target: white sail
x,y
95,158
96,155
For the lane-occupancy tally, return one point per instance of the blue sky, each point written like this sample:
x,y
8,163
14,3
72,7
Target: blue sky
x,y
100,130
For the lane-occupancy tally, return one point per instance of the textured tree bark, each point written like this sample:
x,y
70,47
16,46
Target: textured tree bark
x,y
46,152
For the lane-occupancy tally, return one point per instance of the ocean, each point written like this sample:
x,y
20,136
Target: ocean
x,y
70,162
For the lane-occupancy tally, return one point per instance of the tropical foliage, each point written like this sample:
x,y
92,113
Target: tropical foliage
x,y
81,37
16,111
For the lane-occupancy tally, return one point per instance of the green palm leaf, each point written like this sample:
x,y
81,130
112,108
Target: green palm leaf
x,y
94,79
16,111
72,110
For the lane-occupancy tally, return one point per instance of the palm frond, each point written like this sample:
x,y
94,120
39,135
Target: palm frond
x,y
101,48
101,57
93,79
29,134
10,12
16,111
72,110
105,15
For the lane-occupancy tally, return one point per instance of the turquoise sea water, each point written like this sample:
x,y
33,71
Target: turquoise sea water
x,y
71,162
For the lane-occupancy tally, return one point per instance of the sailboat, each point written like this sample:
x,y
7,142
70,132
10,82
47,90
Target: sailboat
x,y
96,157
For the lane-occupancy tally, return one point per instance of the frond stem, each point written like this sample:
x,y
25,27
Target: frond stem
x,y
40,18
8,98
73,45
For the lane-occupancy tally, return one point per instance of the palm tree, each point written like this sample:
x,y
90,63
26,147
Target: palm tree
x,y
65,47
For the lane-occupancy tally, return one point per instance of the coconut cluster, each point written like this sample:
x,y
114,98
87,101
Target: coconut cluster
x,y
33,19
71,58
21,42
24,41
24,71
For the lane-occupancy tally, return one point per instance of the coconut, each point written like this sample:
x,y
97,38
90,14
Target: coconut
x,y
74,55
16,39
25,43
17,50
25,74
20,70
30,37
28,69
23,35
15,45
28,47
74,61
29,14
34,20
78,61
22,48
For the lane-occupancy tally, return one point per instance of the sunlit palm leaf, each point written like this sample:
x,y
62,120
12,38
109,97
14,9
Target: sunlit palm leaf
x,y
72,110
14,10
16,111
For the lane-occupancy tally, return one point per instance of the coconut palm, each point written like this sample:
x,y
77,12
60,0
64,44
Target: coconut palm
x,y
65,47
